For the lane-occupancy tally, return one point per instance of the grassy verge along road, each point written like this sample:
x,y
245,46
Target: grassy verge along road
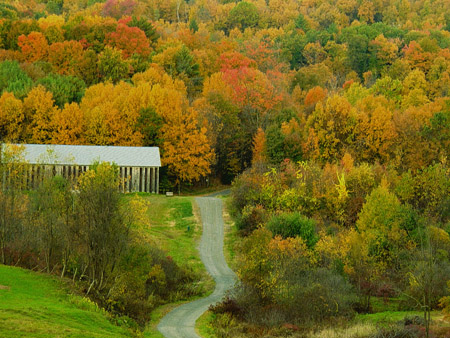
x,y
181,321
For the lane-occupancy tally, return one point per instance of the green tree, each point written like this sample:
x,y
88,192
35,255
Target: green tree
x,y
111,66
149,124
244,15
146,26
65,89
388,227
302,23
358,52
13,79
293,225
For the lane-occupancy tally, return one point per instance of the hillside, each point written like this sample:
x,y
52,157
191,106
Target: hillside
x,y
37,305
330,118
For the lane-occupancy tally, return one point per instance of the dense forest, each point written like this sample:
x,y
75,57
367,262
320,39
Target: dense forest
x,y
330,117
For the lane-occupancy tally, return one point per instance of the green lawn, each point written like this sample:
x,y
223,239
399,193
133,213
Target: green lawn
x,y
37,305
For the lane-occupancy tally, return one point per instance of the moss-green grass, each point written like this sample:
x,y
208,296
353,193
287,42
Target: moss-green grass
x,y
38,305
232,238
203,325
390,317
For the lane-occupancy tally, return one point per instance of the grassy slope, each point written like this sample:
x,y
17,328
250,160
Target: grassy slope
x,y
36,305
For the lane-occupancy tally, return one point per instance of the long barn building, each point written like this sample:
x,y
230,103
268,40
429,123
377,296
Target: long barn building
x,y
138,166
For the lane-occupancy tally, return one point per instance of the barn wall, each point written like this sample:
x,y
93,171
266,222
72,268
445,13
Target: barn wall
x,y
133,179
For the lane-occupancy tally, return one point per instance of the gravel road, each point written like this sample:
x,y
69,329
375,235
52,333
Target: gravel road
x,y
180,323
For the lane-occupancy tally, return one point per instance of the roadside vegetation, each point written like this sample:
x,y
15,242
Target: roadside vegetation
x,y
340,251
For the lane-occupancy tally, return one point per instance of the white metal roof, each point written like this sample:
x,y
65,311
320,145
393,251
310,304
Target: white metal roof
x,y
86,155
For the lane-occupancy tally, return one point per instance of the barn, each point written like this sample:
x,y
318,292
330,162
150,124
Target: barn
x,y
138,166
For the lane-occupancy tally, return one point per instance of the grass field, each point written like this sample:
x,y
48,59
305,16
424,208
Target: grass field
x,y
37,305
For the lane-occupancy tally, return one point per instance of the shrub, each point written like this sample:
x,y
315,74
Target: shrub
x,y
251,218
328,295
293,225
397,332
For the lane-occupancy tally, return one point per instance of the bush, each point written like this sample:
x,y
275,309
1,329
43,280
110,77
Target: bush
x,y
251,218
328,295
293,225
397,332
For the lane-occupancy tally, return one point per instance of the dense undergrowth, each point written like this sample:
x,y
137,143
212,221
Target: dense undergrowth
x,y
130,254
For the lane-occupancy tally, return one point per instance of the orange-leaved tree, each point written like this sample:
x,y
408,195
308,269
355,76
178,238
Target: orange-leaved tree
x,y
34,46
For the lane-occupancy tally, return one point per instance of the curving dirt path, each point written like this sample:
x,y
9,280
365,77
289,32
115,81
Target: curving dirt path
x,y
180,323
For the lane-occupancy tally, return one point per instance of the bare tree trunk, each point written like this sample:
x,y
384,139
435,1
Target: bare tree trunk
x,y
63,270
178,10
75,274
90,287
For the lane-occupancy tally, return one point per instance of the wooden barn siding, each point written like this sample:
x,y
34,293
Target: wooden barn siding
x,y
133,179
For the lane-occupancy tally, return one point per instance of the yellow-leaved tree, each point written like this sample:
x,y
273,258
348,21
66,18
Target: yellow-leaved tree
x,y
40,110
11,117
68,125
186,149
110,117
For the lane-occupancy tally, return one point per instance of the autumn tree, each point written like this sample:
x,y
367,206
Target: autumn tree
x,y
39,109
65,56
186,148
384,51
34,46
11,118
333,126
231,142
129,40
259,146
376,132
110,117
101,217
69,125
